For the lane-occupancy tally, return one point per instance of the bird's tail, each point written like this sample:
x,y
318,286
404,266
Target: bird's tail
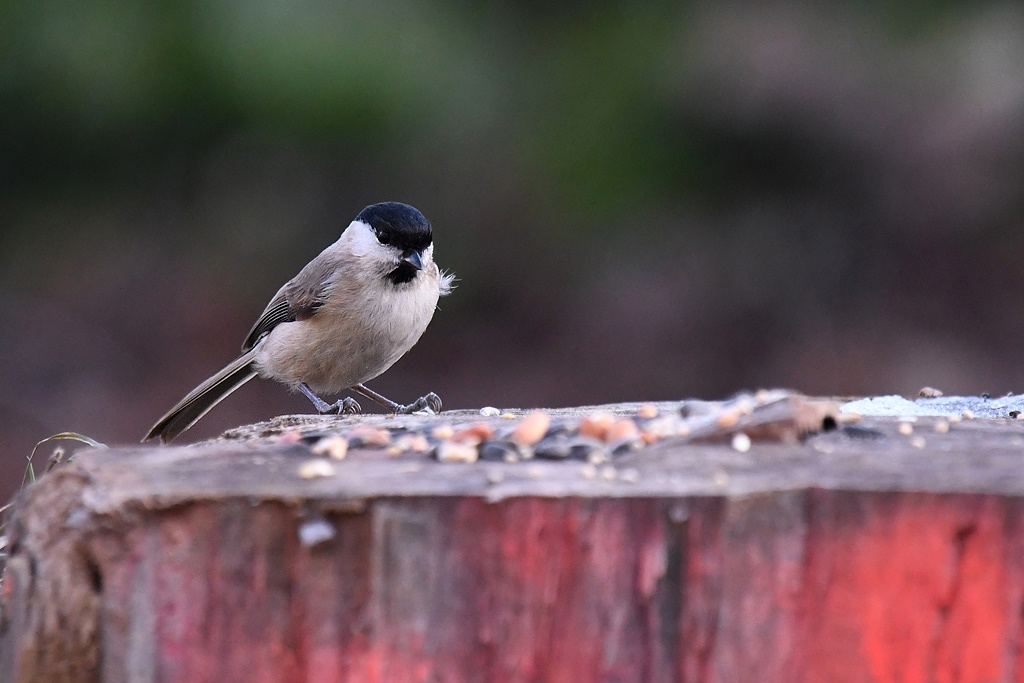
x,y
199,401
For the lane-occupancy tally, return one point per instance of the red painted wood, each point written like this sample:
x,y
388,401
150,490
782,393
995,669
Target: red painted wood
x,y
800,586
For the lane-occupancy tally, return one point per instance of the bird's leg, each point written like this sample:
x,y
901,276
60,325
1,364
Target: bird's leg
x,y
431,401
346,406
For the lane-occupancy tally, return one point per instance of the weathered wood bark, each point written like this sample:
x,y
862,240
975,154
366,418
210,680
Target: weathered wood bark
x,y
855,556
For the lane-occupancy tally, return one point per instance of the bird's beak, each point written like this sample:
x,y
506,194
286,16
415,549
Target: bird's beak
x,y
413,259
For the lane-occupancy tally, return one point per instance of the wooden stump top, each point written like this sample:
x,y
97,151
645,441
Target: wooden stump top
x,y
883,549
870,455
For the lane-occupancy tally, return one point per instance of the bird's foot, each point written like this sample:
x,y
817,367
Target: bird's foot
x,y
346,406
431,402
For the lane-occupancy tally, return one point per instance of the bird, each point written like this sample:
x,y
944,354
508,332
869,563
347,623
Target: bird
x,y
347,317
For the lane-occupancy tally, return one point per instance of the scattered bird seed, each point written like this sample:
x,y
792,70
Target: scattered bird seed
x,y
741,442
474,433
498,450
729,419
941,427
967,415
508,416
906,429
313,469
495,477
453,451
929,392
588,471
622,429
918,442
442,432
553,448
647,411
490,411
596,425
289,436
417,443
630,443
334,446
661,428
608,473
531,428
369,437
721,479
582,447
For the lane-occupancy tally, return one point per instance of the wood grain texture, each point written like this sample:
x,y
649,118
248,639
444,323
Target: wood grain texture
x,y
851,557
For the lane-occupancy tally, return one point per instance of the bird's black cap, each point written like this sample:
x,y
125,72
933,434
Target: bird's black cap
x,y
398,225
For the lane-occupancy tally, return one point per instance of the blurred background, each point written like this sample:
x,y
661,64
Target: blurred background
x,y
642,200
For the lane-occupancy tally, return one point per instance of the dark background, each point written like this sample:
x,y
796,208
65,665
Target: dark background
x,y
642,200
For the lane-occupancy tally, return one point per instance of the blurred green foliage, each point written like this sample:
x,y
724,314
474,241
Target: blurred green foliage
x,y
643,200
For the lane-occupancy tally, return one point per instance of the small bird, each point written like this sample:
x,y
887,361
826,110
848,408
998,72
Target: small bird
x,y
344,319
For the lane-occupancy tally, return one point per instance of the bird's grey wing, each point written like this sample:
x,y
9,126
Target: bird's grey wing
x,y
299,299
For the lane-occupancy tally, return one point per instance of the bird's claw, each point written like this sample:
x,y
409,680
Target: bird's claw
x,y
431,402
345,406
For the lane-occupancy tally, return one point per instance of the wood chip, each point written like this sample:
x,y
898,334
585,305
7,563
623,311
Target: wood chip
x,y
313,469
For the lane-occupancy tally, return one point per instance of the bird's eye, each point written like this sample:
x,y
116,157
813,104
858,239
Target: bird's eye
x,y
383,238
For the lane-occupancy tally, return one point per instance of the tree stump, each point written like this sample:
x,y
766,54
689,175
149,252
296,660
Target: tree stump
x,y
864,553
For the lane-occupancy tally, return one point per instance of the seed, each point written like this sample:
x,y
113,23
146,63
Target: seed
x,y
595,425
368,436
412,442
647,411
622,429
474,434
490,411
452,451
906,429
531,428
553,448
442,432
334,446
942,426
728,419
